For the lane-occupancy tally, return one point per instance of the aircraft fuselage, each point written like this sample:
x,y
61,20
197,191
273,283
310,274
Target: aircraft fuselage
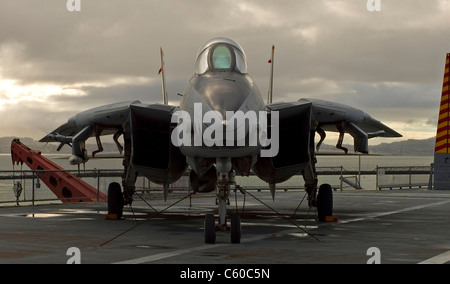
x,y
223,95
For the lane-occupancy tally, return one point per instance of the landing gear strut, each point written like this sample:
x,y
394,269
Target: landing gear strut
x,y
321,199
225,179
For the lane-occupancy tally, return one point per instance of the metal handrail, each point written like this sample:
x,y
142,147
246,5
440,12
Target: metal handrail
x,y
116,173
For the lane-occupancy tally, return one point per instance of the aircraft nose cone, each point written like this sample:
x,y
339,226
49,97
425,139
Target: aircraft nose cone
x,y
224,95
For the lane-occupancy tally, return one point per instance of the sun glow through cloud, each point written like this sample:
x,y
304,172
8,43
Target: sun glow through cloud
x,y
13,93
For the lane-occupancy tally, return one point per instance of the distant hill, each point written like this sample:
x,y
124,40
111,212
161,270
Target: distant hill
x,y
50,148
410,147
402,148
407,148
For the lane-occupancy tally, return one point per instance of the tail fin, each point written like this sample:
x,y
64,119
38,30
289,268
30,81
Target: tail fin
x,y
163,78
443,129
271,61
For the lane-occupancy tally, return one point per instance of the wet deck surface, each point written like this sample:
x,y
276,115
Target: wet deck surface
x,y
407,226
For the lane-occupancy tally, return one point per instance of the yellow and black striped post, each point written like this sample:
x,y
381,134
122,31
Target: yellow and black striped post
x,y
442,148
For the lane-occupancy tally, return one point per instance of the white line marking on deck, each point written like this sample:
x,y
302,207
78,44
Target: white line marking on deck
x,y
156,257
439,259
160,256
382,214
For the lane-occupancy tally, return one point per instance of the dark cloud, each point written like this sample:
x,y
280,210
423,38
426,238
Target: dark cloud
x,y
389,63
147,93
394,95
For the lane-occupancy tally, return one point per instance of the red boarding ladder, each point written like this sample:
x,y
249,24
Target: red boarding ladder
x,y
66,186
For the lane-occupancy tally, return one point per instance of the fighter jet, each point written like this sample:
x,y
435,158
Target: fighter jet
x,y
222,128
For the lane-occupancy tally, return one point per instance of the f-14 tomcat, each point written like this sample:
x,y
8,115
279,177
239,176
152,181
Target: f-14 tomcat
x,y
205,135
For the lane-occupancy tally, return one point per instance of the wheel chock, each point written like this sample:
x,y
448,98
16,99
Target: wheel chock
x,y
331,219
111,217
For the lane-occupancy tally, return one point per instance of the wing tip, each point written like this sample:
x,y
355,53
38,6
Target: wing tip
x,y
45,139
395,134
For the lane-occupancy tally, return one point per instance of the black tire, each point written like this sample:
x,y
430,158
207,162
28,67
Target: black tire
x,y
115,200
235,229
210,229
325,202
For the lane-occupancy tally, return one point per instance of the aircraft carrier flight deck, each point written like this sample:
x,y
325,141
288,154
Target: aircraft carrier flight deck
x,y
393,226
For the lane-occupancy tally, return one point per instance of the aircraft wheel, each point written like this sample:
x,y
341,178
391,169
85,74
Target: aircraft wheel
x,y
115,200
235,229
324,202
210,229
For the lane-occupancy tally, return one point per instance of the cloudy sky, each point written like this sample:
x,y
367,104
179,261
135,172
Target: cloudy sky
x,y
55,63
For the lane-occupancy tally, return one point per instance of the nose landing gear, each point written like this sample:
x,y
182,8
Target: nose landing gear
x,y
224,182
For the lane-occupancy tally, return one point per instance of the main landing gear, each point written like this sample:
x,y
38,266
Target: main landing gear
x,y
115,200
225,183
324,202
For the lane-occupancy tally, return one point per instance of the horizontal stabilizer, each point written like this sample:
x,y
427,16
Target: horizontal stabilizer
x,y
110,117
375,128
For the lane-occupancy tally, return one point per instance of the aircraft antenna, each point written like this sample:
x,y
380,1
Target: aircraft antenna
x,y
163,78
271,61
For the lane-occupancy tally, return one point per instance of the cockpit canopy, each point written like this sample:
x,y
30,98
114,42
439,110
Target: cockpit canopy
x,y
221,55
